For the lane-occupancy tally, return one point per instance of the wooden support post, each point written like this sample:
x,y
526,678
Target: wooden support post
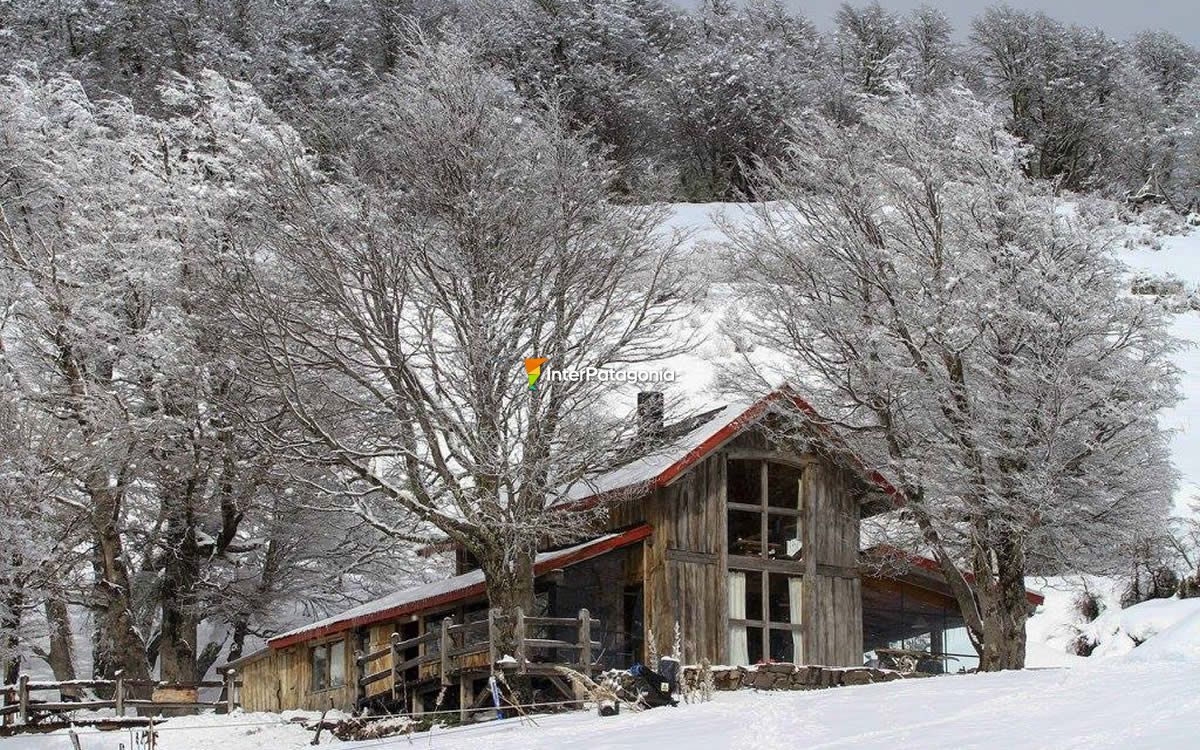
x,y
445,649
492,655
23,698
396,676
585,641
360,671
519,635
466,696
119,694
230,686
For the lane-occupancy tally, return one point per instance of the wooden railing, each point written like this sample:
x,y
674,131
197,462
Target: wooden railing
x,y
20,706
455,642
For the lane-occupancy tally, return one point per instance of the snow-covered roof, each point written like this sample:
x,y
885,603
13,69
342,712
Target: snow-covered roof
x,y
646,469
662,465
451,590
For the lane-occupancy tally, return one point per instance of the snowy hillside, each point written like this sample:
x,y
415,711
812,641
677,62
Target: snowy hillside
x,y
1160,627
1178,257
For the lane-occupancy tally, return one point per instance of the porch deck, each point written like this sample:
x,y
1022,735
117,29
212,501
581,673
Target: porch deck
x,y
459,654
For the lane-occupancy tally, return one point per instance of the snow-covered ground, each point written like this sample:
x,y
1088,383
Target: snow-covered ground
x,y
1110,703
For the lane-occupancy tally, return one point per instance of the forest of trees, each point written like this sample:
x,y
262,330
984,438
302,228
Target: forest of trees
x,y
266,268
684,101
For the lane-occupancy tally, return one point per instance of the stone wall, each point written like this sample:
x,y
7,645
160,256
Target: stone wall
x,y
791,676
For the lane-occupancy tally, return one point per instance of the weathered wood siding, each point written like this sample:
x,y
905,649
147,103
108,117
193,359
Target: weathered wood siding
x,y
686,560
683,566
683,561
282,679
832,589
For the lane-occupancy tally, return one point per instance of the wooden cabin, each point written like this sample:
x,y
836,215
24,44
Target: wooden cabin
x,y
739,526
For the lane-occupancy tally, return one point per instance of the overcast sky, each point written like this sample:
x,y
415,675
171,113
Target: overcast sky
x,y
1120,18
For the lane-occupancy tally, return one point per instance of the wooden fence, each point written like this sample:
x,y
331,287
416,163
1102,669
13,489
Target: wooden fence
x,y
447,652
21,707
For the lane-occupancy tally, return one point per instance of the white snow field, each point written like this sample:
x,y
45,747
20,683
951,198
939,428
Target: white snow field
x,y
1120,702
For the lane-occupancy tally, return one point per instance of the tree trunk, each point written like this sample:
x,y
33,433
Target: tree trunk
x,y
508,575
61,656
177,651
995,607
238,643
10,626
1004,607
118,646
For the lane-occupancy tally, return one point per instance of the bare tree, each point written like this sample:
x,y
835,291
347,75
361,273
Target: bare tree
x,y
133,400
971,336
393,309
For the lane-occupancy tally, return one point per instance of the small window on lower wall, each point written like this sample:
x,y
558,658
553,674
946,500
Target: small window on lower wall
x,y
328,666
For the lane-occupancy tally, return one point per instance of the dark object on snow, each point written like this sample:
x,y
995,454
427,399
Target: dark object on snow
x,y
653,689
668,667
609,707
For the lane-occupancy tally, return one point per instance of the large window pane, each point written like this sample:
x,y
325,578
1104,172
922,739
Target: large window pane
x,y
781,645
778,602
783,486
754,595
754,645
337,664
745,482
320,668
745,533
783,536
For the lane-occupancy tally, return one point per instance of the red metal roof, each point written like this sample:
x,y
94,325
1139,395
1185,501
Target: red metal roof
x,y
930,564
471,585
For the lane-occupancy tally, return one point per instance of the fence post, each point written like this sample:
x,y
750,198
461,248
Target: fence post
x,y
519,635
230,686
395,640
23,698
119,694
492,656
585,641
445,650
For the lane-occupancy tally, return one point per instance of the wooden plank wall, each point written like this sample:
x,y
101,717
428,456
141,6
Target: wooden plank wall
x,y
380,636
832,589
684,560
282,679
684,563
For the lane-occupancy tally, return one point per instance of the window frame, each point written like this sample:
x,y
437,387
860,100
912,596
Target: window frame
x,y
765,510
763,564
327,649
